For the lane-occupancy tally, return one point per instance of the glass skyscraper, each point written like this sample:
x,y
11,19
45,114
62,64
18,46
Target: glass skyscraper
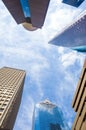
x,y
48,116
74,35
74,3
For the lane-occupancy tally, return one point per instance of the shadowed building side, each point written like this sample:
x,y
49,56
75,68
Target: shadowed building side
x,y
79,102
38,10
73,36
11,87
15,9
3,129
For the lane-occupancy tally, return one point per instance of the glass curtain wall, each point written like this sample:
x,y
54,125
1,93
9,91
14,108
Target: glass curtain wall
x,y
48,117
25,8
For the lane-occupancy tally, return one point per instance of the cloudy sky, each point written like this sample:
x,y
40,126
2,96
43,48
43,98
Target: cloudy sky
x,y
51,72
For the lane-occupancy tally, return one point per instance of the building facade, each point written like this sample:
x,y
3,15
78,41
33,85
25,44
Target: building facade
x,y
11,86
48,116
28,11
74,35
79,102
75,3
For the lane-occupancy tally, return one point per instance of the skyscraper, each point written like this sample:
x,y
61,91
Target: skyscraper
x,y
74,3
79,102
30,13
11,86
47,116
73,36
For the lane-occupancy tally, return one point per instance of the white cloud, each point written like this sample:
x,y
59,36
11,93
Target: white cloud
x,y
69,58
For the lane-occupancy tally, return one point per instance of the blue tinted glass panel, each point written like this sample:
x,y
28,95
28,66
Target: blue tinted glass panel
x,y
80,48
75,3
25,7
49,118
55,127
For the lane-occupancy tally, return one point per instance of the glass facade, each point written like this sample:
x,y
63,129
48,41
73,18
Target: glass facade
x,y
74,35
48,117
75,3
25,7
80,48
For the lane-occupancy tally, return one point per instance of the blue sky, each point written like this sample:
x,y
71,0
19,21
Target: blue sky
x,y
51,72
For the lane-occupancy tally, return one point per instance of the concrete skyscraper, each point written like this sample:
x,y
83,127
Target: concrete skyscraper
x,y
47,116
11,86
30,13
74,35
79,102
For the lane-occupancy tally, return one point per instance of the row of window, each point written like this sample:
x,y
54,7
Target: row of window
x,y
8,84
10,79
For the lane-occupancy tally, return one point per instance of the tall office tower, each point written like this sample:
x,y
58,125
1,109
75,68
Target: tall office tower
x,y
11,86
30,13
74,3
79,102
47,116
73,36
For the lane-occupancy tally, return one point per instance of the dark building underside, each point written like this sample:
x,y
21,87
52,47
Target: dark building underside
x,y
15,9
38,10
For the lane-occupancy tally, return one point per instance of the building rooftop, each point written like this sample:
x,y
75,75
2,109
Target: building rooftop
x,y
13,68
47,102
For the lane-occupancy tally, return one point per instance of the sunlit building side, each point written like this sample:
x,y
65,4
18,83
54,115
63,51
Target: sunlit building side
x,y
79,102
28,11
11,87
47,116
74,35
75,3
